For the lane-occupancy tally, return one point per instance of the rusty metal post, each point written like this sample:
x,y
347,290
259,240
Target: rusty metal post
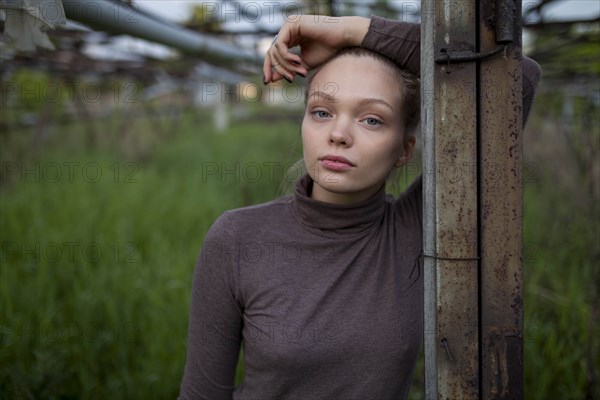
x,y
501,203
471,87
450,211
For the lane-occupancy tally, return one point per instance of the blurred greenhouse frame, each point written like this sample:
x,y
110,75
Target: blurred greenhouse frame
x,y
118,154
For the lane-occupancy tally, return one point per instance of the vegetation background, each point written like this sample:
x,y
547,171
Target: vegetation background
x,y
101,224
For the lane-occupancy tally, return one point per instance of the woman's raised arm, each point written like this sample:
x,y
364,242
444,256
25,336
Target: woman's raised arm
x,y
319,37
401,42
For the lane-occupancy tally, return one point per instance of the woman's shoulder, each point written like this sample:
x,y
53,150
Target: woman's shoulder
x,y
409,204
259,210
243,219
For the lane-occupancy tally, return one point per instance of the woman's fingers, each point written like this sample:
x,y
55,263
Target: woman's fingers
x,y
280,68
274,68
318,39
280,62
290,62
267,70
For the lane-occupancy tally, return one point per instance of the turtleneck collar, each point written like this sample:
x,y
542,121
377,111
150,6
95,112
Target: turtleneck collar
x,y
350,218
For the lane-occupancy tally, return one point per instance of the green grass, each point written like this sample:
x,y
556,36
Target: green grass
x,y
113,325
108,319
561,281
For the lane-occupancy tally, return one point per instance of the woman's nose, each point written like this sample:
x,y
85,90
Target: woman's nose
x,y
340,135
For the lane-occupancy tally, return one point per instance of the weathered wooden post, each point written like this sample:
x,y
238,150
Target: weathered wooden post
x,y
471,83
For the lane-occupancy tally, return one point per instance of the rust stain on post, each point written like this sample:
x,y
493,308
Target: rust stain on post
x,y
451,206
456,199
501,215
472,203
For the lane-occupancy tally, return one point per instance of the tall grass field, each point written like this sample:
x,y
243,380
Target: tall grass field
x,y
99,243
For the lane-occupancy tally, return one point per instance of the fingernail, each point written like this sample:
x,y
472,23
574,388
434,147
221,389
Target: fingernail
x,y
302,75
287,79
296,62
264,80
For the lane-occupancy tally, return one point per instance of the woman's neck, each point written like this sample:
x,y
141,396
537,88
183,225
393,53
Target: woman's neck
x,y
326,196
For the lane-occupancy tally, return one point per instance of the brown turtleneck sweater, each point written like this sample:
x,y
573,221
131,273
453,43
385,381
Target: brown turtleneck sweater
x,y
326,299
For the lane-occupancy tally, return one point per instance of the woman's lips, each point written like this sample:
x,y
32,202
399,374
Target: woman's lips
x,y
336,163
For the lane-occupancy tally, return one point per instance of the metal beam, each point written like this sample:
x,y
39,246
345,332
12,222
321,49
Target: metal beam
x,y
120,18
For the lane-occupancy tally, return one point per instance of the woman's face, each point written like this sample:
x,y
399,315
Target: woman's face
x,y
352,129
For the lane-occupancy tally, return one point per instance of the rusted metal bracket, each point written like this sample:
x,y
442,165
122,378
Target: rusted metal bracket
x,y
504,16
453,57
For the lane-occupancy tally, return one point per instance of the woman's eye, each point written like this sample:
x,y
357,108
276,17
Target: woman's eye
x,y
321,114
372,121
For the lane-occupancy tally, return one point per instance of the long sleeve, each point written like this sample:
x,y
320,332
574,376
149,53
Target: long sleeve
x,y
214,333
401,42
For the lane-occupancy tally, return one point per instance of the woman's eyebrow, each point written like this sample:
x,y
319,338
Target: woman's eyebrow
x,y
365,101
322,95
371,100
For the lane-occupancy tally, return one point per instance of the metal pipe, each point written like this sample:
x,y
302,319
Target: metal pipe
x,y
120,18
429,209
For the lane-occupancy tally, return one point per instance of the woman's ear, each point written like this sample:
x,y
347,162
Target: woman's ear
x,y
408,150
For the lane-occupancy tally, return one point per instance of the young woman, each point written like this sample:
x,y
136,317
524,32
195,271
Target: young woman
x,y
323,288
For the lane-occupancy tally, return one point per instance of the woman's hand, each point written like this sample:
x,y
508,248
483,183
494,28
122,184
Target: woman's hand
x,y
318,36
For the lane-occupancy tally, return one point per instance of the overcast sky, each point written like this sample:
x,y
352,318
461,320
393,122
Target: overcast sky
x,y
125,47
178,10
